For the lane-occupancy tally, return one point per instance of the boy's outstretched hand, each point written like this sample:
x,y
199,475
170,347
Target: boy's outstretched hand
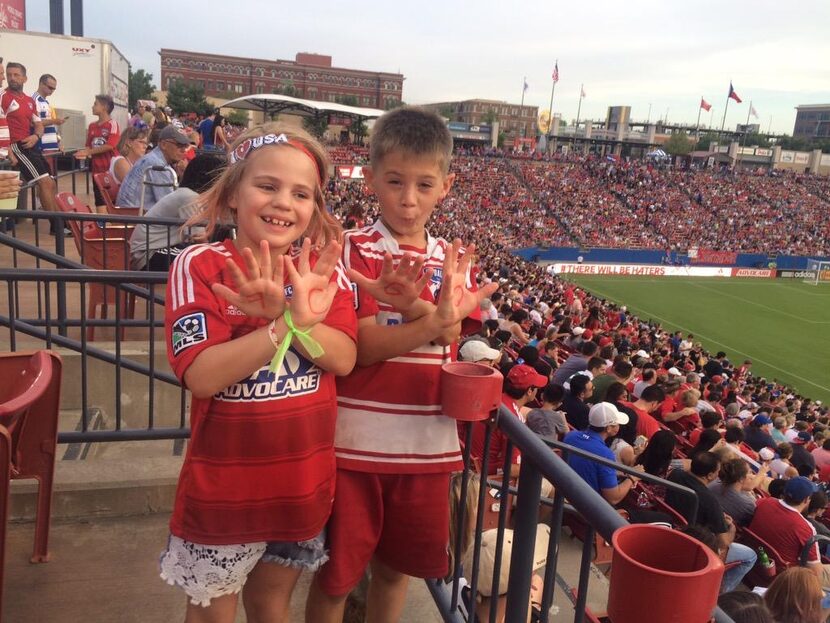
x,y
456,301
261,292
313,288
399,287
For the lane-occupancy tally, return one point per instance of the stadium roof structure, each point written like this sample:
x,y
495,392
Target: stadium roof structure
x,y
272,104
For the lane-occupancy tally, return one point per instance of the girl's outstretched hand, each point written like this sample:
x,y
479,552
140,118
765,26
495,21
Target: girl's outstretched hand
x,y
397,286
313,290
456,301
261,293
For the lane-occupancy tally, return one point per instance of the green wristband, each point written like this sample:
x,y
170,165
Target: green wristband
x,y
312,346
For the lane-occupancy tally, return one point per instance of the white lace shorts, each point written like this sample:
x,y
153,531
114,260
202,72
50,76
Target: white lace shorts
x,y
206,572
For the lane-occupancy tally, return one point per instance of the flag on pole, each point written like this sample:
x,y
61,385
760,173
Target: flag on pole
x,y
556,72
525,87
732,93
752,111
705,105
582,94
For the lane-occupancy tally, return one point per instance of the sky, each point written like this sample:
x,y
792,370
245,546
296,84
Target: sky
x,y
656,54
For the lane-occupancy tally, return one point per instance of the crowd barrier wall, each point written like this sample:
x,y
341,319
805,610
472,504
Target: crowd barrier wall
x,y
654,257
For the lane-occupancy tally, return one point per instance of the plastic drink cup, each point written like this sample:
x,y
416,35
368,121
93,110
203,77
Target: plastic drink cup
x,y
11,203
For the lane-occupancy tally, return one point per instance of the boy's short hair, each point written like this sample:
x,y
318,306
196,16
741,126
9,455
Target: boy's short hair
x,y
413,130
106,100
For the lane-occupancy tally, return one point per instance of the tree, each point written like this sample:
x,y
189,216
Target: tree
x,y
706,140
238,117
678,144
317,125
447,111
756,140
140,87
183,97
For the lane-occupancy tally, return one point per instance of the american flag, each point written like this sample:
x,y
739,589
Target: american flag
x,y
556,72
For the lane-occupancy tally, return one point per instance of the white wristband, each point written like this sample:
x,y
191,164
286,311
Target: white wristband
x,y
272,334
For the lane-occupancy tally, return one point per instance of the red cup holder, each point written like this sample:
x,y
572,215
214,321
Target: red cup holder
x,y
470,391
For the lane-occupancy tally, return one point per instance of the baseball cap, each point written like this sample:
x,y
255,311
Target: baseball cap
x,y
766,454
587,334
605,414
476,350
605,341
799,488
170,133
577,330
674,371
718,379
523,377
803,437
762,419
744,415
487,558
642,353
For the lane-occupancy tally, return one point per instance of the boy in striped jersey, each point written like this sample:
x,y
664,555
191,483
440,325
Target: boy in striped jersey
x,y
395,448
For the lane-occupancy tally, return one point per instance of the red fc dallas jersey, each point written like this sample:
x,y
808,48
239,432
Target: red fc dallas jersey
x,y
99,134
260,462
389,415
20,112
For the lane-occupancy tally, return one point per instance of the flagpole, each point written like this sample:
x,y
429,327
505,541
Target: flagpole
x,y
697,124
521,109
743,136
578,110
725,108
550,108
769,127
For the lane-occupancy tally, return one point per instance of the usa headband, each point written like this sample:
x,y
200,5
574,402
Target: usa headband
x,y
254,143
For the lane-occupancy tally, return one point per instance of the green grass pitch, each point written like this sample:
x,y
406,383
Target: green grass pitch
x,y
782,325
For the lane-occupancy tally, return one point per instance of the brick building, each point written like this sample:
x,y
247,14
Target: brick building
x,y
514,120
308,76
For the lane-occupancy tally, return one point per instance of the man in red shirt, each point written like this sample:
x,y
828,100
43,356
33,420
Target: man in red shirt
x,y
781,524
101,141
648,401
21,114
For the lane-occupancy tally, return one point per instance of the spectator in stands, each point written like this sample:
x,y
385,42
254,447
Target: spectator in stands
x,y
154,247
779,427
704,469
220,140
575,363
169,151
649,377
597,366
513,323
604,422
814,512
484,602
620,373
709,420
656,458
617,395
781,524
821,455
708,441
733,490
548,420
574,405
21,115
758,433
796,596
45,88
801,459
714,367
206,130
781,466
551,354
674,406
477,351
102,138
645,405
745,607
131,148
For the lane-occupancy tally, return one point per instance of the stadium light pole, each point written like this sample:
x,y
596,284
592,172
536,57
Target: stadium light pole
x,y
578,110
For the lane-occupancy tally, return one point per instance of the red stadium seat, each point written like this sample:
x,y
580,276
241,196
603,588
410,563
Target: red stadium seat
x,y
109,188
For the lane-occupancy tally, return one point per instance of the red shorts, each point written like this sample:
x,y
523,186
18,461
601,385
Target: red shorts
x,y
403,519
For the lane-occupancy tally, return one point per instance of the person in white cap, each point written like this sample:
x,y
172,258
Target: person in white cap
x,y
604,421
477,351
484,598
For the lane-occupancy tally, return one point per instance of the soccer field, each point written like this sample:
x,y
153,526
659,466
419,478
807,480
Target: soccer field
x,y
783,326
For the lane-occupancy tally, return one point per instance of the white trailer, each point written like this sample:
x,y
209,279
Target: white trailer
x,y
83,68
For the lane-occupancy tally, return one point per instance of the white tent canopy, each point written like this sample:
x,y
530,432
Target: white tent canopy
x,y
272,103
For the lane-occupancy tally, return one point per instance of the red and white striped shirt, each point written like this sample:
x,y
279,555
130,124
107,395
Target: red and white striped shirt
x,y
389,415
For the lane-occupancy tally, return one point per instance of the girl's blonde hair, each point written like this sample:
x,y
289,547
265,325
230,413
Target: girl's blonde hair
x,y
470,505
795,596
215,209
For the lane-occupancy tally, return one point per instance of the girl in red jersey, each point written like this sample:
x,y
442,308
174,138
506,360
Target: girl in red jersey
x,y
259,357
